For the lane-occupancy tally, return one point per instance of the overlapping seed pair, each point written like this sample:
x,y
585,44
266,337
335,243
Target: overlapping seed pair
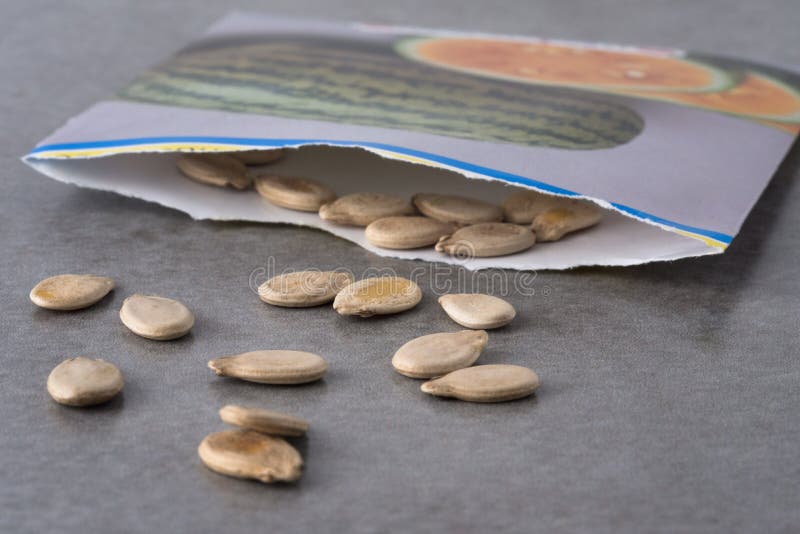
x,y
257,450
550,217
302,289
443,215
367,297
479,231
226,169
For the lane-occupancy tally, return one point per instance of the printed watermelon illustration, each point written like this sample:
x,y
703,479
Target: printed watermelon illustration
x,y
714,84
369,84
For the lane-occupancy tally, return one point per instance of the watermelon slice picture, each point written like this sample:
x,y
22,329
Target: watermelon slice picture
x,y
579,66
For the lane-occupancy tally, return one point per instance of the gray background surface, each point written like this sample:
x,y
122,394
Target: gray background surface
x,y
670,395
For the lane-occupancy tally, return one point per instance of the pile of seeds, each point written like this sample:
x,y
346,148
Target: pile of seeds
x,y
257,450
458,226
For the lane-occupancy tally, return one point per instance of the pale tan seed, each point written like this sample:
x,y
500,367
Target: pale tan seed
x,y
265,421
486,240
406,232
438,354
522,206
259,157
70,291
271,366
377,296
251,455
304,288
156,317
302,194
360,209
84,382
220,170
485,383
457,209
478,311
553,224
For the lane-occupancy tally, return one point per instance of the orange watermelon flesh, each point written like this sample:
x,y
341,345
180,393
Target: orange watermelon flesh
x,y
757,96
567,65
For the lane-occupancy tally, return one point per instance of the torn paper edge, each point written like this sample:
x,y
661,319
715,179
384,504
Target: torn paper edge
x,y
97,149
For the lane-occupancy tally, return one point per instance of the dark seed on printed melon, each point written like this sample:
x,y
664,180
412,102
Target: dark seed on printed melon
x,y
370,85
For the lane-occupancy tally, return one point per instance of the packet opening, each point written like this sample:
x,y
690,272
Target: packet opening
x,y
153,176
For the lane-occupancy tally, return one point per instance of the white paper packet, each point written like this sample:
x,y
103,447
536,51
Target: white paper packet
x,y
370,108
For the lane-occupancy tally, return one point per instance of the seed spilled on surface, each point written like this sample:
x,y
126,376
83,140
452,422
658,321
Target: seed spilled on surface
x,y
251,455
477,310
377,296
438,354
67,292
157,318
303,288
265,421
271,366
84,382
485,383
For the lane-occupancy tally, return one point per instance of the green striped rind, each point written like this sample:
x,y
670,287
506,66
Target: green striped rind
x,y
721,80
341,82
